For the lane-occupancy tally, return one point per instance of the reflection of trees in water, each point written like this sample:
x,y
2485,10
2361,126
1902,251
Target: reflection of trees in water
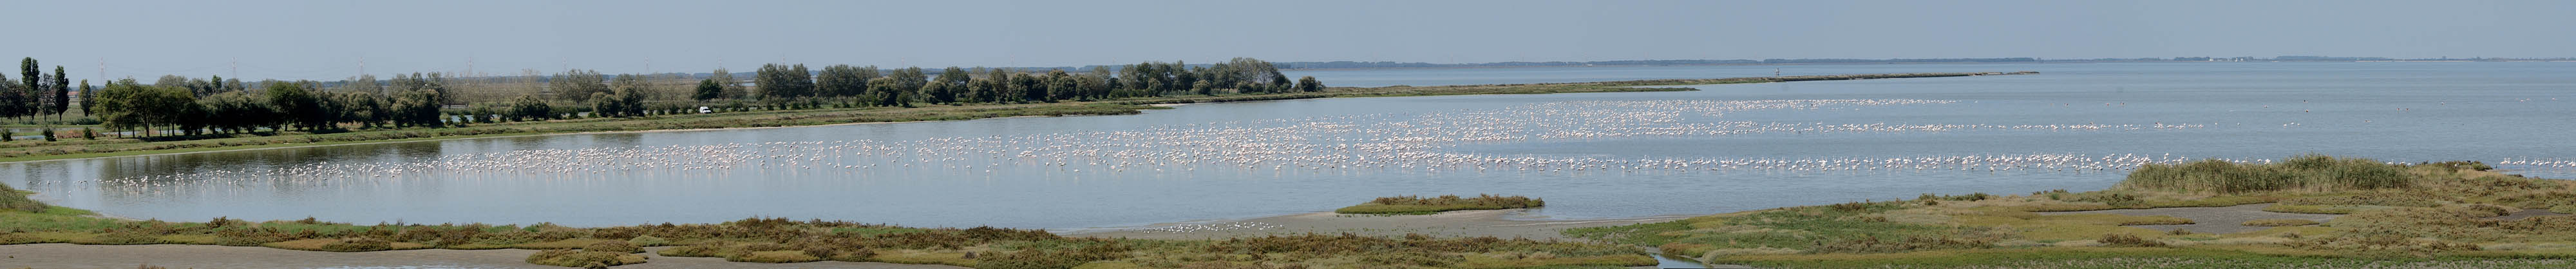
x,y
616,140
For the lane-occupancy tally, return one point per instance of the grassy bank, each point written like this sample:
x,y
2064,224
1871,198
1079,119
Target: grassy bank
x,y
110,147
1416,205
2437,215
785,241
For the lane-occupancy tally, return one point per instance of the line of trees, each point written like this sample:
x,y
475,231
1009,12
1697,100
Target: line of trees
x,y
36,94
410,101
904,87
217,105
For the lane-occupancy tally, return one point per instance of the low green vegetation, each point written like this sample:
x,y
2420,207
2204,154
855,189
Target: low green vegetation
x,y
14,199
1418,205
2431,215
784,241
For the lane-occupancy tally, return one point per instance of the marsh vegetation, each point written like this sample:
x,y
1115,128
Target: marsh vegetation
x,y
2423,214
1409,204
775,240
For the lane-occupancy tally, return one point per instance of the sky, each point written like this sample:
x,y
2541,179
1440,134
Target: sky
x,y
330,39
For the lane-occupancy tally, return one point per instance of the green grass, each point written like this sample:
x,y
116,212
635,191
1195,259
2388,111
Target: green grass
x,y
12,199
1414,205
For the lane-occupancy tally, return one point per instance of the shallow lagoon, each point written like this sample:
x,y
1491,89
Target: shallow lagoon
x,y
1595,155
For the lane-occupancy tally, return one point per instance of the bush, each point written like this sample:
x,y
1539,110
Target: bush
x,y
583,259
358,245
773,256
2126,240
249,237
648,241
124,238
613,246
699,250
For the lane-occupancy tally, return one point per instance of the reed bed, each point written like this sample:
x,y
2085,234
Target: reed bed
x,y
2310,173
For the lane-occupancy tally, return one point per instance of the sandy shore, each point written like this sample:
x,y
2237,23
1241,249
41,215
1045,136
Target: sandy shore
x,y
1468,223
69,256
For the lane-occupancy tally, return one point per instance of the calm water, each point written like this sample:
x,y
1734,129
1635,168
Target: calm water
x,y
1725,148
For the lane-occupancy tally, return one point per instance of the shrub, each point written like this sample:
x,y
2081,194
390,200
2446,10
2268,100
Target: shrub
x,y
613,246
648,241
2126,240
583,259
244,237
773,256
2279,222
2377,199
715,249
2552,199
358,245
127,237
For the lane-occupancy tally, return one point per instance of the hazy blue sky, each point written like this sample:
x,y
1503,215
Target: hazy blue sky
x,y
326,39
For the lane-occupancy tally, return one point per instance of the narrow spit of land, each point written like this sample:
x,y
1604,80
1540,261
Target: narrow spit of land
x,y
32,150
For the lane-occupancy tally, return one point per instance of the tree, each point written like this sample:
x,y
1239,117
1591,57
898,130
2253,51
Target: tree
x,y
1309,84
888,92
62,93
434,82
529,107
364,83
298,105
1060,86
9,95
87,95
626,101
783,81
1027,87
237,112
953,83
708,89
908,80
577,85
417,108
843,80
733,89
21,100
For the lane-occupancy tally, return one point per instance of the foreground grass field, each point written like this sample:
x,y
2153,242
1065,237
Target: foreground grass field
x,y
1416,205
2436,215
784,241
31,150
